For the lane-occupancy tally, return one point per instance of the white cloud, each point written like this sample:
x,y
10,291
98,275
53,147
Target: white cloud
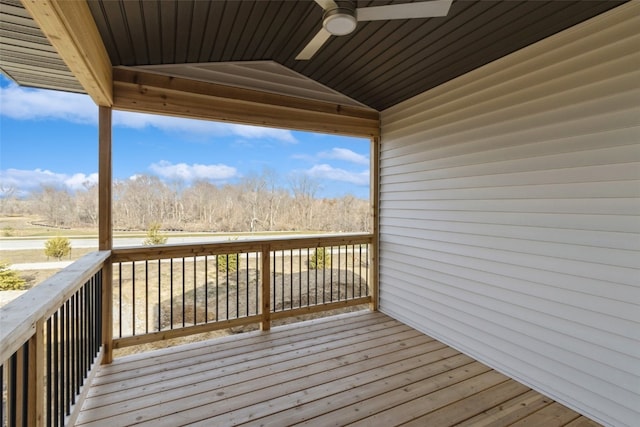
x,y
37,104
346,155
24,181
325,171
193,172
200,127
34,104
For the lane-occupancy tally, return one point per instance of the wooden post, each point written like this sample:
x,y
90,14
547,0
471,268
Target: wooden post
x,y
105,229
374,196
265,324
36,374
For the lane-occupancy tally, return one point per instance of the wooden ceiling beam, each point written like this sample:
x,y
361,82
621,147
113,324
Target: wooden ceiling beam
x,y
160,94
72,31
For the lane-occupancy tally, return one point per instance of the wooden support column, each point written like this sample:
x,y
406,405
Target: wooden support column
x,y
35,415
374,170
265,323
105,228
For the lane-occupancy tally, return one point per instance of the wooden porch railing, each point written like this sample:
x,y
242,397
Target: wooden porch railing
x,y
164,292
50,344
53,337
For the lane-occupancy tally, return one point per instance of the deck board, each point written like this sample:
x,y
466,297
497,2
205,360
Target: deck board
x,y
361,369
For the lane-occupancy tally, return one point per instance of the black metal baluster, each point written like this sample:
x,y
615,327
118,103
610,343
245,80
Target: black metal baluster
x,y
300,278
49,371
133,297
258,278
291,277
72,349
120,300
171,291
273,282
339,270
217,285
206,289
237,256
366,272
12,392
360,273
62,366
146,296
184,295
330,271
195,291
247,281
56,395
159,295
227,283
353,271
25,383
67,379
308,280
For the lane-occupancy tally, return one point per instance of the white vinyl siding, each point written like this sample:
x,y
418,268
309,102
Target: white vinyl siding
x,y
510,215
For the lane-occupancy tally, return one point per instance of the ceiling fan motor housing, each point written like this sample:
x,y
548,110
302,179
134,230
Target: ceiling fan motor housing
x,y
339,21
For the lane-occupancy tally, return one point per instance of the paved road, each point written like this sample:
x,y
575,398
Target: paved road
x,y
49,265
26,244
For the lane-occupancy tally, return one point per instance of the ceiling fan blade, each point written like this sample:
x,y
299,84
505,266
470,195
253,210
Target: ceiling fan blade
x,y
327,4
314,45
423,9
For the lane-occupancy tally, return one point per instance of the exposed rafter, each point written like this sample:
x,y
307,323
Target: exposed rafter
x,y
159,94
70,28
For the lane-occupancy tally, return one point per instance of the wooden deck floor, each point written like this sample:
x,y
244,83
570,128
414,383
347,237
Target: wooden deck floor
x,y
358,369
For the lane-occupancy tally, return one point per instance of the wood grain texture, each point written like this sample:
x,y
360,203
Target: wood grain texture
x,y
160,94
70,28
362,368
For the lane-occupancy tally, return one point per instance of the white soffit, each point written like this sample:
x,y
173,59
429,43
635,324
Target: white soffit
x,y
266,76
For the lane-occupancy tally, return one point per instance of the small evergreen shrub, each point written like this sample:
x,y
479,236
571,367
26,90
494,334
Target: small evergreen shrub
x,y
154,237
9,279
320,259
57,247
227,262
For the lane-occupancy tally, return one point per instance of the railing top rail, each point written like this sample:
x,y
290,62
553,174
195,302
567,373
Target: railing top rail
x,y
139,253
19,317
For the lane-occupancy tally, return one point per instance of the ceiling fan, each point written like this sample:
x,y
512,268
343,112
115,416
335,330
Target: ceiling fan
x,y
341,20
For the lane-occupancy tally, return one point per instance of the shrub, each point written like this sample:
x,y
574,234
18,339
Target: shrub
x,y
9,279
154,237
320,259
57,247
7,231
227,262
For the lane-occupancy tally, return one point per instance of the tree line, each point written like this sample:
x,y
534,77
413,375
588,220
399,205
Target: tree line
x,y
257,202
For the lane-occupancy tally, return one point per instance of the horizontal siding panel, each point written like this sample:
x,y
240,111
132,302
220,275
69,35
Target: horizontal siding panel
x,y
574,306
510,263
610,206
607,189
549,155
546,112
583,222
473,177
530,323
627,240
590,254
510,215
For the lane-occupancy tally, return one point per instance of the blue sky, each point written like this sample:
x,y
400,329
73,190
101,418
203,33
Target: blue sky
x,y
50,137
